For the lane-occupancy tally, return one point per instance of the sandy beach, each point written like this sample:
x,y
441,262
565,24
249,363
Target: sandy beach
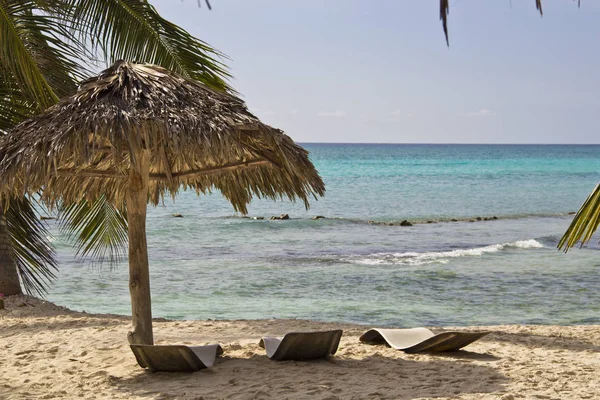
x,y
49,352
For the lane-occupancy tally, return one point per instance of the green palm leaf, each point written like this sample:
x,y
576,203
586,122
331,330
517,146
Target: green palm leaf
x,y
584,224
35,53
15,56
13,106
53,49
154,39
99,230
33,254
37,67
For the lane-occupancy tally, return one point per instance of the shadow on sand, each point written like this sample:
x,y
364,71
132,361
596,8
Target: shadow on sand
x,y
551,341
374,376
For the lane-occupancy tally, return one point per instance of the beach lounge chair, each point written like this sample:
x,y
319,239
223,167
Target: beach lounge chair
x,y
176,358
420,339
302,345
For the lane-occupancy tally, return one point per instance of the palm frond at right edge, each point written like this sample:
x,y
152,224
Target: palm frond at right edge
x,y
584,223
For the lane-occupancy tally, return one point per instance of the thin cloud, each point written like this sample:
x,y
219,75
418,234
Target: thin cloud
x,y
332,114
401,113
262,112
484,112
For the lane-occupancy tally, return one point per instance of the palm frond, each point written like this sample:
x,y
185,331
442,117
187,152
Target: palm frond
x,y
538,6
16,59
34,254
584,223
98,229
445,10
14,108
37,51
54,49
154,39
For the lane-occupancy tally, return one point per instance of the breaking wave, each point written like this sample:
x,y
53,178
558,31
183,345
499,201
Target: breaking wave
x,y
440,257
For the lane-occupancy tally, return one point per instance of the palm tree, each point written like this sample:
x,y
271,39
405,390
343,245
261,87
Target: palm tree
x,y
44,51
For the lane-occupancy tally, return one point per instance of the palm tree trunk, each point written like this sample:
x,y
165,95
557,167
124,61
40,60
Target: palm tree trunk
x,y
139,275
9,279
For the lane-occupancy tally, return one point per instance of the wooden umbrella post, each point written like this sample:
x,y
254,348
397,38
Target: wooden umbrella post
x,y
139,274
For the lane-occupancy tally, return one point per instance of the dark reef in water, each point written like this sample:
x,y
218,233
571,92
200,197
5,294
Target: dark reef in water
x,y
407,223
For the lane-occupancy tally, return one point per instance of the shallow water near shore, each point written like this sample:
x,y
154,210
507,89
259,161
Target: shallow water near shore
x,y
353,266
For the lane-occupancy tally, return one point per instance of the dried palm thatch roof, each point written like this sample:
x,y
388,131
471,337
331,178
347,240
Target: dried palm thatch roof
x,y
198,138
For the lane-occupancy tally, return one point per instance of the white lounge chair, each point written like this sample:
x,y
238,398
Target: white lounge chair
x,y
176,358
302,345
420,339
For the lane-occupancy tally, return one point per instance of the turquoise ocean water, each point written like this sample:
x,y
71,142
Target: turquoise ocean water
x,y
353,266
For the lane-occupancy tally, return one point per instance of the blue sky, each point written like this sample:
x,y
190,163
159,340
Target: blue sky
x,y
380,71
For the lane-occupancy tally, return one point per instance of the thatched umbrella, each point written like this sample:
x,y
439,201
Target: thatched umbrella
x,y
137,132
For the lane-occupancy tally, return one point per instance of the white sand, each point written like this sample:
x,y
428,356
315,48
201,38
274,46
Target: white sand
x,y
48,352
